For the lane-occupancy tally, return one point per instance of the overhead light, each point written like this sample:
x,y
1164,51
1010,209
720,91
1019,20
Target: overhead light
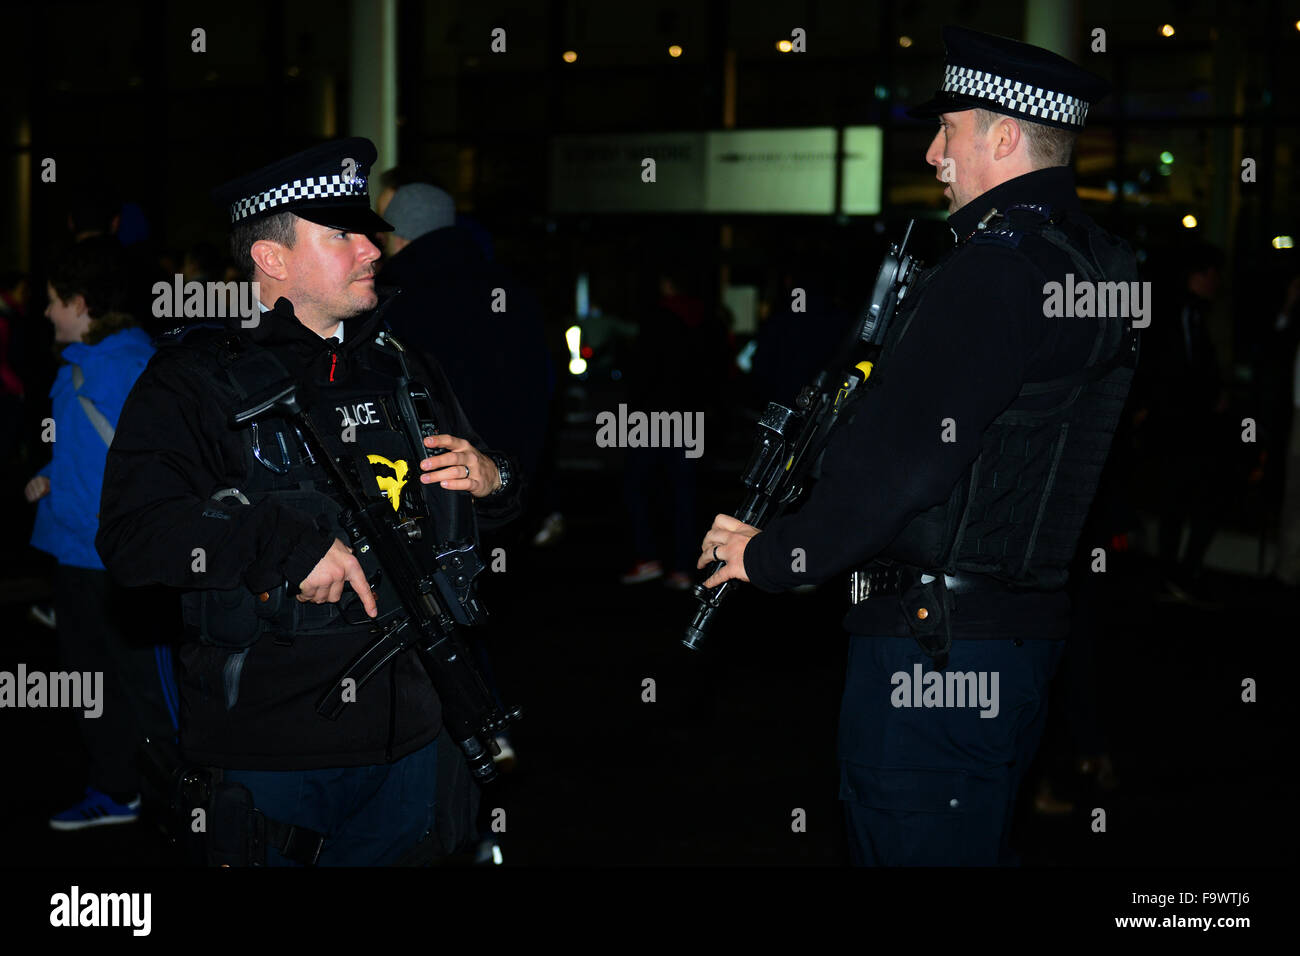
x,y
1166,157
904,42
1189,221
1282,242
674,51
570,56
1167,30
785,46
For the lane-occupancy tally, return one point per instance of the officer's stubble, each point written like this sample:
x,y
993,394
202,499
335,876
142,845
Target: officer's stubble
x,y
327,274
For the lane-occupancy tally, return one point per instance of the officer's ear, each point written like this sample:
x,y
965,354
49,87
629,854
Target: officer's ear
x,y
269,256
1006,134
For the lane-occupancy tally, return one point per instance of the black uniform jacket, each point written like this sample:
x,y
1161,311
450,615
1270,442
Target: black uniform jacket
x,y
173,448
979,335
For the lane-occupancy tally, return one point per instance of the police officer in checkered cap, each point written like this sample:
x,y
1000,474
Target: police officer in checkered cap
x,y
280,604
957,492
326,184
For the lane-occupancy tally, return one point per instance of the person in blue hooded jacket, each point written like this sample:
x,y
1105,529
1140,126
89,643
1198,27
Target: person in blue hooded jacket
x,y
103,354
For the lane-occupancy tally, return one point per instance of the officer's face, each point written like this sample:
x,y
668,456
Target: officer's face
x,y
331,273
959,155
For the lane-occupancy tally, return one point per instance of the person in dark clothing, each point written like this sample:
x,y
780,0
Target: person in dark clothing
x,y
794,346
679,364
965,470
245,519
483,327
1187,429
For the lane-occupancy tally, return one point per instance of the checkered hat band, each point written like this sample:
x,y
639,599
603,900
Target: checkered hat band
x,y
1014,96
313,187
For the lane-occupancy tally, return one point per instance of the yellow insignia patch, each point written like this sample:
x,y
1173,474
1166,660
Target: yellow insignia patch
x,y
392,487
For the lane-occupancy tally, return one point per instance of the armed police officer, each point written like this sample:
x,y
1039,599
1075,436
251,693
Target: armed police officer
x,y
958,487
249,523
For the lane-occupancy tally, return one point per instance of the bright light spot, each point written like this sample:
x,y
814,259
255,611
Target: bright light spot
x,y
1167,30
1166,157
1283,242
570,56
674,51
1189,221
785,46
904,42
573,339
496,855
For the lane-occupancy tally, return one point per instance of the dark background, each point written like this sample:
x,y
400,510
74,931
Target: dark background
x,y
743,735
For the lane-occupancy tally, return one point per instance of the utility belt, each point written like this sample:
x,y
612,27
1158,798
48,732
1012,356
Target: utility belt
x,y
231,831
214,822
886,580
924,599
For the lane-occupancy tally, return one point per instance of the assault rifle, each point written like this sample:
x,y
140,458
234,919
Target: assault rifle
x,y
790,440
427,589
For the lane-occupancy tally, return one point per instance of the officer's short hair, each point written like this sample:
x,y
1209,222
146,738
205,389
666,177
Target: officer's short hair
x,y
1048,146
277,228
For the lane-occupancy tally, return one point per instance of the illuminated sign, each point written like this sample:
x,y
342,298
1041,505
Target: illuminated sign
x,y
725,171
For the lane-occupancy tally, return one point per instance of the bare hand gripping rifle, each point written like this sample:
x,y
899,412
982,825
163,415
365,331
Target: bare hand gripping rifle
x,y
428,584
790,440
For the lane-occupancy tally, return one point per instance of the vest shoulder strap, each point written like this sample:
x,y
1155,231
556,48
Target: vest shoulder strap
x,y
1038,219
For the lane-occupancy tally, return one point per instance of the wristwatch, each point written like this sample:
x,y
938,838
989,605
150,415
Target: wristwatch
x,y
503,467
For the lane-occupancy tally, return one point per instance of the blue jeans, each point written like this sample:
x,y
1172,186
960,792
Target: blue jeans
x,y
370,816
936,785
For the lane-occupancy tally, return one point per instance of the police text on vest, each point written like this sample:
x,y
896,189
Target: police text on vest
x,y
362,413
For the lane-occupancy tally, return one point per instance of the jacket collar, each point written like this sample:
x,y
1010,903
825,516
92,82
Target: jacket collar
x,y
1053,187
280,326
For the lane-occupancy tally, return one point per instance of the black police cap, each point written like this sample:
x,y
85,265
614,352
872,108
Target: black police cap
x,y
983,71
325,184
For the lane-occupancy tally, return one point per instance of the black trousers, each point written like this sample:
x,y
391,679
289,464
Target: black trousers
x,y
936,785
103,629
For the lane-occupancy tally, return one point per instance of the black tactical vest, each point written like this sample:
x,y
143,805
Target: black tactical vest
x,y
359,423
1017,514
